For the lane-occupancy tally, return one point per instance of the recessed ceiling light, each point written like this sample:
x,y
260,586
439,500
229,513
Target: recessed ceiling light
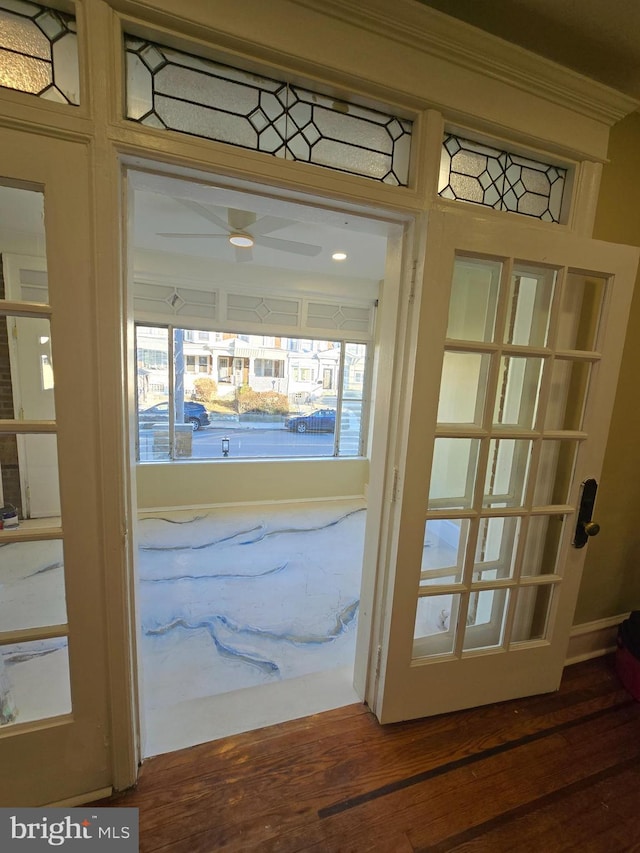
x,y
339,256
244,241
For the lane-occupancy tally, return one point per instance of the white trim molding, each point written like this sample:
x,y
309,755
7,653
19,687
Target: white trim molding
x,y
593,639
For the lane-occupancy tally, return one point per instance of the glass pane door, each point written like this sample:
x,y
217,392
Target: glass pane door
x,y
515,354
520,340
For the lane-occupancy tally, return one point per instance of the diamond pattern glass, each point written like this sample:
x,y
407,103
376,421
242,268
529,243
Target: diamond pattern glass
x,y
39,51
482,174
176,91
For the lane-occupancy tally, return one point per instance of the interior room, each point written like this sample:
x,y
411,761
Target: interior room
x,y
261,589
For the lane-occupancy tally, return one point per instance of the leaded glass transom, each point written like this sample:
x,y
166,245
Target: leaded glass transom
x,y
172,90
477,173
39,51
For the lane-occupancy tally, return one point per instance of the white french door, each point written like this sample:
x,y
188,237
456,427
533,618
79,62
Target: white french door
x,y
510,378
54,720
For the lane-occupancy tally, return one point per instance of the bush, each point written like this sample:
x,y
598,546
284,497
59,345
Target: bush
x,y
266,402
205,389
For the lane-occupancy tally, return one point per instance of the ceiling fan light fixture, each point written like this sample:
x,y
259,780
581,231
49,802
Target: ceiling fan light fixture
x,y
339,256
243,241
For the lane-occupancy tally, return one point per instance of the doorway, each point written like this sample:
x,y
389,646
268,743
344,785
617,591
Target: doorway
x,y
250,534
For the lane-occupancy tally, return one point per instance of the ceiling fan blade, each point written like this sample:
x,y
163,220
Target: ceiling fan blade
x,y
240,220
205,212
289,246
267,224
183,234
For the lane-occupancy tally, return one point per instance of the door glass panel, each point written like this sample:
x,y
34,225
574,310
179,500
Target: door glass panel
x,y
445,540
34,674
580,311
507,470
33,365
495,549
518,389
555,470
532,613
474,299
454,472
34,680
542,542
434,631
31,585
528,313
568,393
485,619
463,388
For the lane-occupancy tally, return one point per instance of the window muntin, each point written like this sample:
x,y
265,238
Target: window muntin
x,y
272,397
172,90
482,174
39,51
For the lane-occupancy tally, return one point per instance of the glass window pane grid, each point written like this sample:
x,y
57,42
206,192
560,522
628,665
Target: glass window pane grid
x,y
482,174
39,52
540,437
169,89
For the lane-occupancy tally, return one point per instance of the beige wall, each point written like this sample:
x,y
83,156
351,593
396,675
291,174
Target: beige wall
x,y
192,484
611,581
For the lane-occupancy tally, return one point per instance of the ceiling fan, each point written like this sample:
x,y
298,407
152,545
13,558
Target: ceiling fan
x,y
243,229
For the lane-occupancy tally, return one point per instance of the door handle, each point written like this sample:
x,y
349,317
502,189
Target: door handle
x,y
585,527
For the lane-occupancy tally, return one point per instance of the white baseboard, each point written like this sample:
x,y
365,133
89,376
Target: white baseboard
x,y
593,639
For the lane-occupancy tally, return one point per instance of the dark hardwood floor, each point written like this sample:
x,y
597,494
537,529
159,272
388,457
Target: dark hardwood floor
x,y
559,772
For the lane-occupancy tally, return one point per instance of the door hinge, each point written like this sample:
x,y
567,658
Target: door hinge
x,y
14,330
394,486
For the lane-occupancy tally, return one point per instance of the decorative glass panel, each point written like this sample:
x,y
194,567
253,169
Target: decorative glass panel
x,y
517,398
463,388
480,174
580,311
453,474
445,541
541,545
532,613
485,619
530,294
495,549
507,470
39,51
568,394
34,681
434,630
32,585
474,296
555,470
174,90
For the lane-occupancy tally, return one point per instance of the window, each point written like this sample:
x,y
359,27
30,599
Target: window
x,y
39,49
173,90
268,367
272,397
481,174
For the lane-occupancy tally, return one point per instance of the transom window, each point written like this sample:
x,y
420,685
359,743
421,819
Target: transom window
x,y
481,174
173,90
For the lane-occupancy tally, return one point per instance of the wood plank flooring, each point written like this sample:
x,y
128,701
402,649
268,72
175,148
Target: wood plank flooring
x,y
559,772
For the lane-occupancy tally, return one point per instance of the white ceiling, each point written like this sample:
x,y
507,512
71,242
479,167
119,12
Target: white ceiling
x,y
597,38
299,237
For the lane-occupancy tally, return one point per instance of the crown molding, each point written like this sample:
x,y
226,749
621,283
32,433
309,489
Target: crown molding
x,y
436,34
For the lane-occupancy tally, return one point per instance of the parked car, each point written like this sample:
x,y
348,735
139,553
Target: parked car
x,y
194,414
322,420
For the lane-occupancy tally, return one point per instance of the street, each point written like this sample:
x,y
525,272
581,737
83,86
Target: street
x,y
243,443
